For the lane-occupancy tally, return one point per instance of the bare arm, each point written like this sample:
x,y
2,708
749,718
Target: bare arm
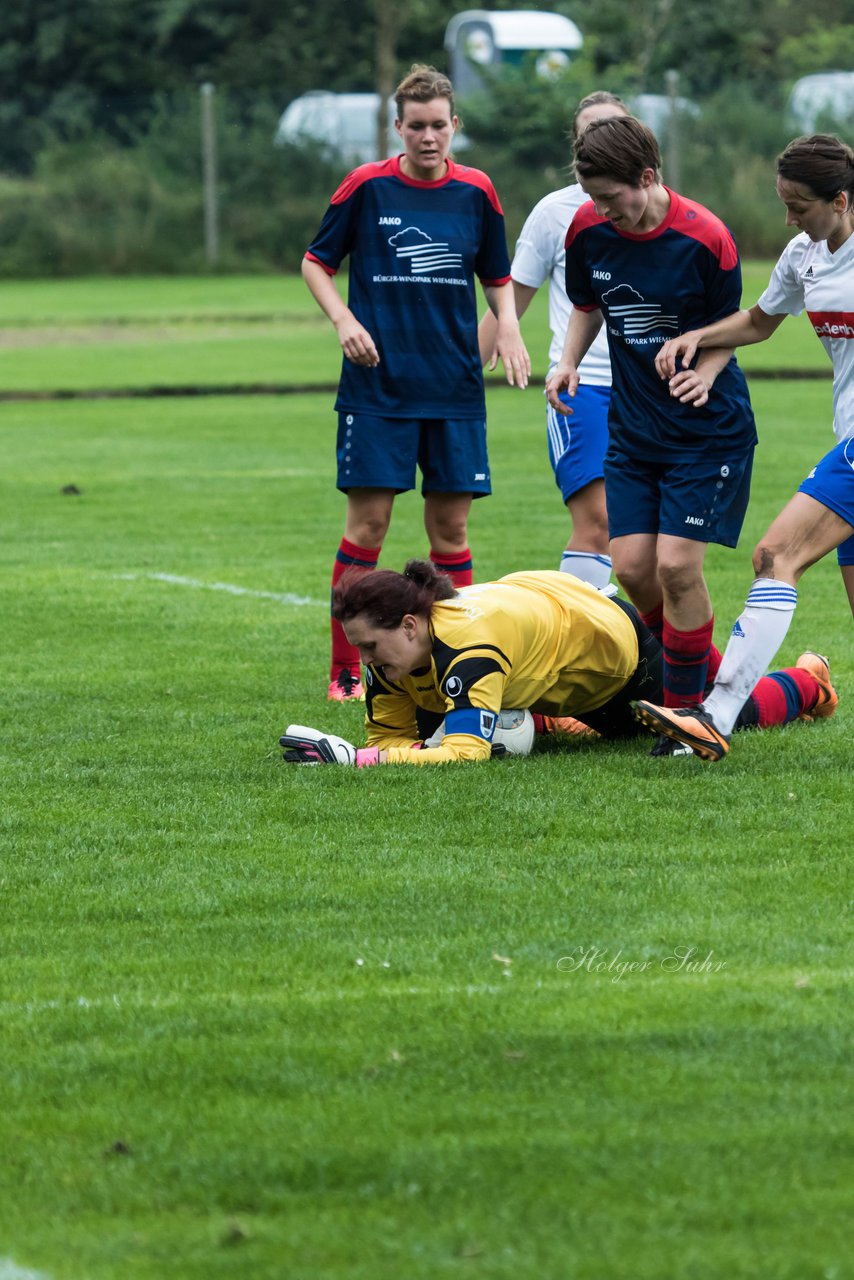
x,y
582,329
488,327
508,339
741,329
356,343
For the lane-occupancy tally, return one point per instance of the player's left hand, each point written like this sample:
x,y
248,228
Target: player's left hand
x,y
689,387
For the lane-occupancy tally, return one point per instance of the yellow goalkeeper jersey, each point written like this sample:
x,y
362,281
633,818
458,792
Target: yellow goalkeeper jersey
x,y
542,640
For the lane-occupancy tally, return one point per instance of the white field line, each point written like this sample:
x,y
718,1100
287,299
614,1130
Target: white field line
x,y
10,1270
175,580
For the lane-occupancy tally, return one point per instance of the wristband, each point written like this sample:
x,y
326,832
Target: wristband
x,y
366,756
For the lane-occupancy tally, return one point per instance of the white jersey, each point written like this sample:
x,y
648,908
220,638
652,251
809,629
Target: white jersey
x,y
540,256
809,275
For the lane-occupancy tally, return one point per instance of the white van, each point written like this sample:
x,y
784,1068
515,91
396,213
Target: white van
x,y
344,123
479,38
826,98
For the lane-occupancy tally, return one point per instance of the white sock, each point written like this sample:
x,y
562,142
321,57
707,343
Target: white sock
x,y
589,567
756,637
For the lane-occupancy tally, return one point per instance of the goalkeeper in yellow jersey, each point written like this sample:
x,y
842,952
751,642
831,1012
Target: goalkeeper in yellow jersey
x,y
544,641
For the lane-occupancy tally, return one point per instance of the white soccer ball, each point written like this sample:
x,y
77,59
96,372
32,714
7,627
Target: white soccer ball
x,y
515,732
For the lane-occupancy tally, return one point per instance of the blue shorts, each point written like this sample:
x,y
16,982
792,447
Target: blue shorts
x,y
382,453
577,441
704,499
831,482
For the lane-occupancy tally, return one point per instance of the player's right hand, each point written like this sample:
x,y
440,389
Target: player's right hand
x,y
562,378
685,346
311,746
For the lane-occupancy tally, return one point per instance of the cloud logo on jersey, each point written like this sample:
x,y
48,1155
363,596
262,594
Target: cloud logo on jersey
x,y
453,686
638,317
424,255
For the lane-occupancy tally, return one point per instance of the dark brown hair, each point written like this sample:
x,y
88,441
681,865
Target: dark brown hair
x,y
423,84
384,596
822,162
620,147
599,97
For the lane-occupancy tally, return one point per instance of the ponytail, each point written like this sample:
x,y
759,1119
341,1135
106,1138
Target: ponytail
x,y
384,596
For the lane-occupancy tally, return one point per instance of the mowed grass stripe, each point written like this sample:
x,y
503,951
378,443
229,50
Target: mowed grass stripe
x,y
300,350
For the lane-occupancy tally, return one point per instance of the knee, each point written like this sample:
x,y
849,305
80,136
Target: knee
x,y
447,530
368,529
633,575
679,580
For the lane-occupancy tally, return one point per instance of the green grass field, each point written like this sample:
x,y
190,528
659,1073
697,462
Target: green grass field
x,y
268,1022
236,331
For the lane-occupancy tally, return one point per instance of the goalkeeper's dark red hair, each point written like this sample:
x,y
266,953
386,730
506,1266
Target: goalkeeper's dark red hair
x,y
385,597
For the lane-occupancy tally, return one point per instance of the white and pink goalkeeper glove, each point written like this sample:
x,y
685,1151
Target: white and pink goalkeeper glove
x,y
311,746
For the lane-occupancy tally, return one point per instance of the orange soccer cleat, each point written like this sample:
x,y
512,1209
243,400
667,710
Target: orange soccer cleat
x,y
828,698
691,725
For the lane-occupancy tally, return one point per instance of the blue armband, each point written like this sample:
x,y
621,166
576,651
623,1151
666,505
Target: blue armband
x,y
474,721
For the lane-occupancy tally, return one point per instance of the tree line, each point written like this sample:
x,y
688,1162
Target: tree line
x,y
99,152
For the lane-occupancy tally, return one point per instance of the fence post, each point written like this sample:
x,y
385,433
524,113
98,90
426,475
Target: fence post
x,y
209,174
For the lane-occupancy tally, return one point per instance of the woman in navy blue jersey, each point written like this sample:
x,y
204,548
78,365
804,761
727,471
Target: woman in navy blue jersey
x,y
418,229
677,472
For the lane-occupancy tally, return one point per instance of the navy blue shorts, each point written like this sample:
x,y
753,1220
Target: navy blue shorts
x,y
382,453
831,482
577,441
704,499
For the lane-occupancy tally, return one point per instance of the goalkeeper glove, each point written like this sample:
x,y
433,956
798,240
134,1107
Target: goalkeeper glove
x,y
310,746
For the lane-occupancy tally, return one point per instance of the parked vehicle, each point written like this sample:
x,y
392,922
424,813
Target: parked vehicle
x,y
343,123
825,99
478,38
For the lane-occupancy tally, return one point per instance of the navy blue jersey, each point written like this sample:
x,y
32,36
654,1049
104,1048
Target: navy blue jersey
x,y
683,275
415,249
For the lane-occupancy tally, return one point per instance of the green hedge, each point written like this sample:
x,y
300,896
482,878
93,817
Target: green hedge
x,y
98,206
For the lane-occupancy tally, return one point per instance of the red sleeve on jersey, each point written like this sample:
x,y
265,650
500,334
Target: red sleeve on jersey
x,y
697,222
330,271
462,173
355,179
585,217
503,280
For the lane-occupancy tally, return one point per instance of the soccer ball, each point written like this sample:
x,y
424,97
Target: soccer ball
x,y
514,732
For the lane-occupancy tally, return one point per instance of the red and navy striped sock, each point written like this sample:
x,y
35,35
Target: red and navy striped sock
x,y
783,695
344,654
457,565
686,664
654,620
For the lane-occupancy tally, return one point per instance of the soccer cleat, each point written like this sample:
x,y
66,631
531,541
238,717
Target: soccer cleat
x,y
568,724
347,688
669,747
690,725
828,699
